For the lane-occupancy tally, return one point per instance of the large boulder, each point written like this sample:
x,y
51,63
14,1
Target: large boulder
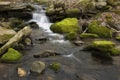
x,y
6,34
11,56
66,26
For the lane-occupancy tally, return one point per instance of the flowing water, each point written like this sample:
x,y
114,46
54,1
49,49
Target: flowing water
x,y
75,64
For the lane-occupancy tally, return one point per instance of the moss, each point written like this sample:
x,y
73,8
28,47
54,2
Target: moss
x,y
11,56
71,36
66,26
101,31
73,12
55,66
103,45
114,52
88,35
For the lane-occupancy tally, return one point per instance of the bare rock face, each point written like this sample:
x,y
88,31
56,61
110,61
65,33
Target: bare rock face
x,y
6,34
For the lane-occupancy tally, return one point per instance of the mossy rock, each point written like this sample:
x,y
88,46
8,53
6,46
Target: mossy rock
x,y
55,66
71,36
66,26
102,45
88,35
101,31
73,12
114,52
104,49
11,56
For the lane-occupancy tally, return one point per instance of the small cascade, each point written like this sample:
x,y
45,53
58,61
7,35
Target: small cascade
x,y
42,20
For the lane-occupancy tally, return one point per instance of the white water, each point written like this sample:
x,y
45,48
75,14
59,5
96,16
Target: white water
x,y
42,20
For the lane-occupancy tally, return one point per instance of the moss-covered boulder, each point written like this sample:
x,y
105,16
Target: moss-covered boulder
x,y
6,34
103,48
102,31
66,26
71,36
88,35
11,56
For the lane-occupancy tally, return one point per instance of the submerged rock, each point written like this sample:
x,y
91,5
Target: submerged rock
x,y
66,26
38,67
55,66
11,56
46,53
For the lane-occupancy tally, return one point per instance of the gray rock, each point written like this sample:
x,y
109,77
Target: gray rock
x,y
100,4
38,67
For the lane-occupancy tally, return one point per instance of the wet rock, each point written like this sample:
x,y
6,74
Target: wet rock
x,y
41,39
78,43
11,56
21,72
46,53
88,35
66,26
34,25
38,67
6,34
55,66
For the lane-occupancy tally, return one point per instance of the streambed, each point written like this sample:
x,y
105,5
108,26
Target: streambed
x,y
75,63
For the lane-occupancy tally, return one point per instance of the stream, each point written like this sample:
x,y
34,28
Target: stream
x,y
75,63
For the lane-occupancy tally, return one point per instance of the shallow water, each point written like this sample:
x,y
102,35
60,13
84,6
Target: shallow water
x,y
75,63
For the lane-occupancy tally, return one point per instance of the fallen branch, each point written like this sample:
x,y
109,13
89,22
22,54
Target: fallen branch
x,y
15,39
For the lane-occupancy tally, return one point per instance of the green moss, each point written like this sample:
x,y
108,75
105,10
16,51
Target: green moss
x,y
88,35
11,56
73,12
102,45
101,31
55,66
71,36
114,52
66,26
